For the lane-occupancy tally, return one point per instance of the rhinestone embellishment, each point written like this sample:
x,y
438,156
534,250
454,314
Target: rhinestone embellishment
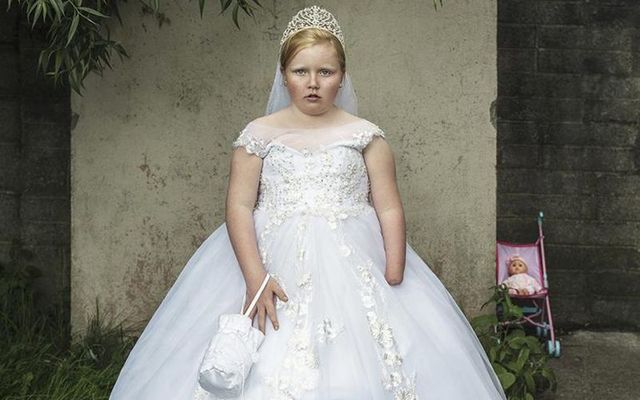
x,y
313,17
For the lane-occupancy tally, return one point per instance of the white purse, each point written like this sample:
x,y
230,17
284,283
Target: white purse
x,y
231,352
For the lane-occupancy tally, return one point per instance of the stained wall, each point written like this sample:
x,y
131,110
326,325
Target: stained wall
x,y
151,147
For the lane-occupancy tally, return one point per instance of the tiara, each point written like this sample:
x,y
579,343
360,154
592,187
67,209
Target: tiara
x,y
313,17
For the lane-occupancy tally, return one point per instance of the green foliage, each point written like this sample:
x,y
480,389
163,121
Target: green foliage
x,y
520,360
37,360
78,35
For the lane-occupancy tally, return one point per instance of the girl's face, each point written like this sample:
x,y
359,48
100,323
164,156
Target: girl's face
x,y
517,267
313,78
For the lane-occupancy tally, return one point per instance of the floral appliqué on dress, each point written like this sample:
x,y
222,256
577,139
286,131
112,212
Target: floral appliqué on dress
x,y
333,183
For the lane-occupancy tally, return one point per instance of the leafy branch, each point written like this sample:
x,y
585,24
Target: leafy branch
x,y
78,35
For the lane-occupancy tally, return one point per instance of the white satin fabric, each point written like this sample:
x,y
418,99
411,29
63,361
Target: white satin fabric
x,y
345,333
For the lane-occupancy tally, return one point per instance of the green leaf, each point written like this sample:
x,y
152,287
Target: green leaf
x,y
58,62
36,14
116,11
533,344
235,15
549,375
72,29
499,369
506,380
516,333
530,382
93,12
45,11
504,355
56,9
516,343
492,354
483,320
60,5
528,396
225,4
31,8
201,6
513,367
40,58
523,356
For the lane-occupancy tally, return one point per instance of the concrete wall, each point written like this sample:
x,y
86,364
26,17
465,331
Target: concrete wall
x,y
152,143
568,143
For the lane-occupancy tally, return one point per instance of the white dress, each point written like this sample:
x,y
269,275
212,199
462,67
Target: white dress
x,y
345,333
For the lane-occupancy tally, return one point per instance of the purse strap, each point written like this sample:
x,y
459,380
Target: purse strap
x,y
255,298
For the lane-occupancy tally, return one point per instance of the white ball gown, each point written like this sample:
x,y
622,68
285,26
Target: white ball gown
x,y
345,333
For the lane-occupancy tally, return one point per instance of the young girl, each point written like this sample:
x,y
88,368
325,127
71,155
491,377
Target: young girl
x,y
350,311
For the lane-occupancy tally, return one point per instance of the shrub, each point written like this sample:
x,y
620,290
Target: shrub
x,y
519,360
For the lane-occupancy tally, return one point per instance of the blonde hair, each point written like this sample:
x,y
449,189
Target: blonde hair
x,y
307,38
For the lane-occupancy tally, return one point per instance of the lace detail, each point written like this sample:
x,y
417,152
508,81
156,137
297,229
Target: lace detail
x,y
363,138
328,330
251,143
393,378
200,393
331,183
299,370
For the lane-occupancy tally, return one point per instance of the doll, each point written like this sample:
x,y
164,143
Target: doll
x,y
519,281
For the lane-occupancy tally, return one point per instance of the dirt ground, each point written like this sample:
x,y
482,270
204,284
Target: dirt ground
x,y
597,365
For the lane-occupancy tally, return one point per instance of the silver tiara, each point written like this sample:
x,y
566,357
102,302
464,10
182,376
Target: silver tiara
x,y
313,17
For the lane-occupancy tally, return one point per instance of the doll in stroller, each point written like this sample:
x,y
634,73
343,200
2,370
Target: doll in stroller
x,y
522,268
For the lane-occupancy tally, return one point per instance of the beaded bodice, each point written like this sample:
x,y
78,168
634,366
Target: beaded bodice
x,y
315,171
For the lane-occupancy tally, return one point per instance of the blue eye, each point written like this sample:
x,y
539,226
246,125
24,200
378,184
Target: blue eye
x,y
326,72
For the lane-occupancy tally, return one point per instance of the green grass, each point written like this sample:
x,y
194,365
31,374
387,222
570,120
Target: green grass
x,y
37,359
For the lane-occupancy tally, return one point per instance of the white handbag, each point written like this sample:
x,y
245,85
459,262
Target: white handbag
x,y
231,352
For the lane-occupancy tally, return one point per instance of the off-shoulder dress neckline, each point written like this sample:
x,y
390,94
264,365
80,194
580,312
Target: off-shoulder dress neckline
x,y
361,120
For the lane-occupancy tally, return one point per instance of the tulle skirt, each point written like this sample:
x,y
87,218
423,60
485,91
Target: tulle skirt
x,y
345,333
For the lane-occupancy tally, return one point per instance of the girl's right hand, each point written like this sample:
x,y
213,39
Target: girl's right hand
x,y
265,304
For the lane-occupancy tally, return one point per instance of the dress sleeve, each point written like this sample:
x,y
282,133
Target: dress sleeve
x,y
365,136
252,142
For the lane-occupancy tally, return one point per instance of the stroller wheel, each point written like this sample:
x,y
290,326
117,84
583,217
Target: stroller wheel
x,y
542,331
553,348
556,354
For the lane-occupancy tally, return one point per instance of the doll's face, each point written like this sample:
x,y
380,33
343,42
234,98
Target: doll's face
x,y
313,78
517,267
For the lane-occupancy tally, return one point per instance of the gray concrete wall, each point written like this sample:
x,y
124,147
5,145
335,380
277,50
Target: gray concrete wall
x,y
152,143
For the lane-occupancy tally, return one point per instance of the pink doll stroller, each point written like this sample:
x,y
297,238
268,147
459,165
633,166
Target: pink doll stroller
x,y
535,306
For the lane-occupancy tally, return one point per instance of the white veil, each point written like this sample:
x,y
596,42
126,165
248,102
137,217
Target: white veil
x,y
279,97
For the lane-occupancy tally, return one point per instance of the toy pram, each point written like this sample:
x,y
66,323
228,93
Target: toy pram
x,y
536,307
